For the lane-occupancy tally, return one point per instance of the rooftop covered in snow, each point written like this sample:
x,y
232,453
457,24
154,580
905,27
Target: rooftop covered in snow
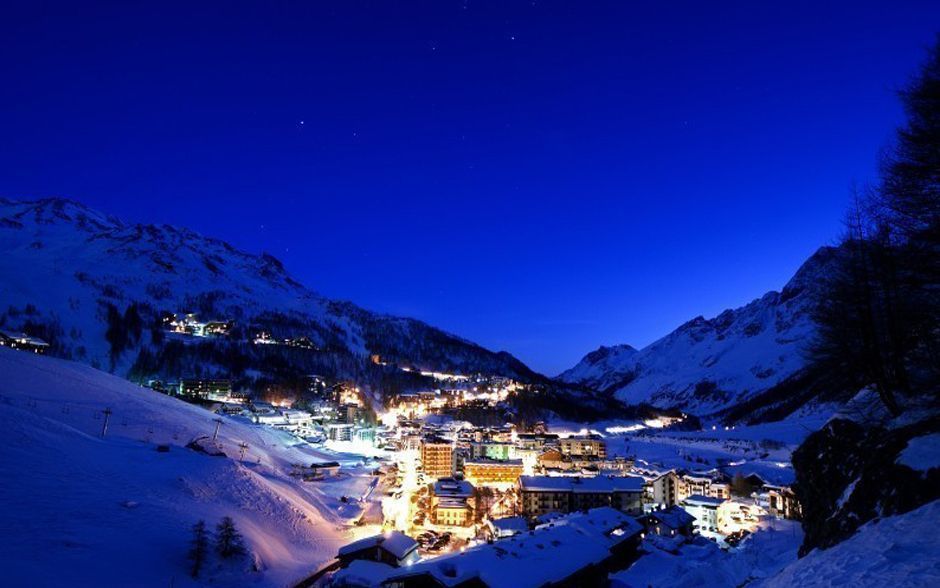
x,y
535,558
598,484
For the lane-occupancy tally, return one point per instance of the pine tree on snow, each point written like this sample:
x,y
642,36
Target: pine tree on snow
x,y
200,547
228,541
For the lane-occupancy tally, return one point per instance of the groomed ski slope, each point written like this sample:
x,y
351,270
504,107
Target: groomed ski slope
x,y
82,510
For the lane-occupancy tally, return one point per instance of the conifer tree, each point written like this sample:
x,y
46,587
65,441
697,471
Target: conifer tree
x,y
228,541
199,548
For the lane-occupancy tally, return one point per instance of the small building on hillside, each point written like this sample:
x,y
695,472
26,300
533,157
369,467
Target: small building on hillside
x,y
22,342
391,548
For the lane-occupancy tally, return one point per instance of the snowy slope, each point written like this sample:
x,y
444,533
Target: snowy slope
x,y
707,365
894,551
113,511
62,264
703,563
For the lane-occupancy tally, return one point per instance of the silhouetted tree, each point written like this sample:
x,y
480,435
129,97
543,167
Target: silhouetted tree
x,y
228,541
199,548
879,310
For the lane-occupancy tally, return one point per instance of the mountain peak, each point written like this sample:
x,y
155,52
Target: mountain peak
x,y
734,356
74,267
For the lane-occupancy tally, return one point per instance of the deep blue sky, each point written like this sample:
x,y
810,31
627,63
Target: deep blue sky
x,y
540,177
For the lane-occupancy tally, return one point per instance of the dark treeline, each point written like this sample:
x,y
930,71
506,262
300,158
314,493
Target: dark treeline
x,y
879,310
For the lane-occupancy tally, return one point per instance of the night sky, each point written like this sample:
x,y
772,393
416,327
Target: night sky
x,y
540,177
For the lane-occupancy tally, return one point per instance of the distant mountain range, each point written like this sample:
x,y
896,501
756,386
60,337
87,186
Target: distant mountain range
x,y
736,364
98,288
70,274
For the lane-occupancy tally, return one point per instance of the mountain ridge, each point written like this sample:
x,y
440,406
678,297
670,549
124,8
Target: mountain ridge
x,y
66,264
707,366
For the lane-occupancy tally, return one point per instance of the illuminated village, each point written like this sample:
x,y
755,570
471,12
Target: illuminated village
x,y
470,295
438,486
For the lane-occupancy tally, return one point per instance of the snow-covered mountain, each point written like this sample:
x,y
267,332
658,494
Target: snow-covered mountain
x,y
708,365
70,274
82,509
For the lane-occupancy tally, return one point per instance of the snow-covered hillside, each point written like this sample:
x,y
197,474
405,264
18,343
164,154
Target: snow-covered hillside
x,y
894,551
64,267
82,510
707,365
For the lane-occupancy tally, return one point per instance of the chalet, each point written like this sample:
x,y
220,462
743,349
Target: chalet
x,y
391,548
578,550
668,522
551,458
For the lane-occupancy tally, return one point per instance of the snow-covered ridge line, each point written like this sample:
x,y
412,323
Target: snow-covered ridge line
x,y
63,263
708,365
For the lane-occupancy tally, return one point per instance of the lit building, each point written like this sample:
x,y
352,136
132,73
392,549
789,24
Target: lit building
x,y
703,486
390,548
438,458
581,549
550,458
350,413
491,450
535,441
543,494
782,502
450,502
664,490
705,511
196,388
23,342
669,522
580,446
483,472
339,432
